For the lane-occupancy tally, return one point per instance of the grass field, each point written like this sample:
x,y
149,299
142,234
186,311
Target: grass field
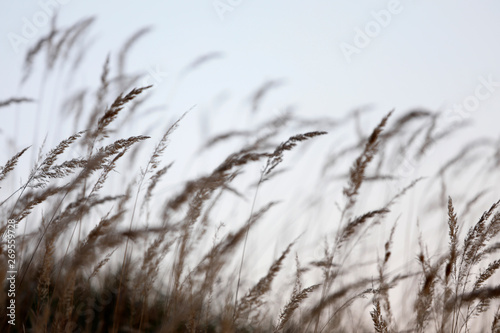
x,y
99,245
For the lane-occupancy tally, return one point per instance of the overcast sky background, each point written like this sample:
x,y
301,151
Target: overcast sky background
x,y
431,55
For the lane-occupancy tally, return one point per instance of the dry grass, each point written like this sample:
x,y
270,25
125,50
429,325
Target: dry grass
x,y
96,257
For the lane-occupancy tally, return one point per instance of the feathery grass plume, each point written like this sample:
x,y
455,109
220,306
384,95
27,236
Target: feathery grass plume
x,y
414,135
218,177
495,324
277,122
212,262
127,46
451,264
153,181
41,172
373,178
80,54
397,132
357,171
152,165
462,154
229,243
55,49
444,190
73,213
107,168
66,303
484,303
334,297
77,36
277,156
111,113
426,295
252,299
214,265
163,143
80,207
124,262
403,191
205,218
298,295
327,267
493,227
453,233
100,265
354,224
473,201
100,158
266,131
195,64
152,257
327,262
69,37
118,237
117,146
404,120
298,276
132,110
100,94
334,322
95,163
9,166
325,122
59,171
484,293
148,274
486,274
195,206
475,240
334,157
89,249
45,41
15,100
274,159
262,92
223,137
44,275
239,159
379,323
431,140
36,199
491,249
79,285
383,291
292,305
73,105
407,148
428,140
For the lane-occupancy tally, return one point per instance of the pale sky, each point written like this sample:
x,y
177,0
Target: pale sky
x,y
423,54
430,54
